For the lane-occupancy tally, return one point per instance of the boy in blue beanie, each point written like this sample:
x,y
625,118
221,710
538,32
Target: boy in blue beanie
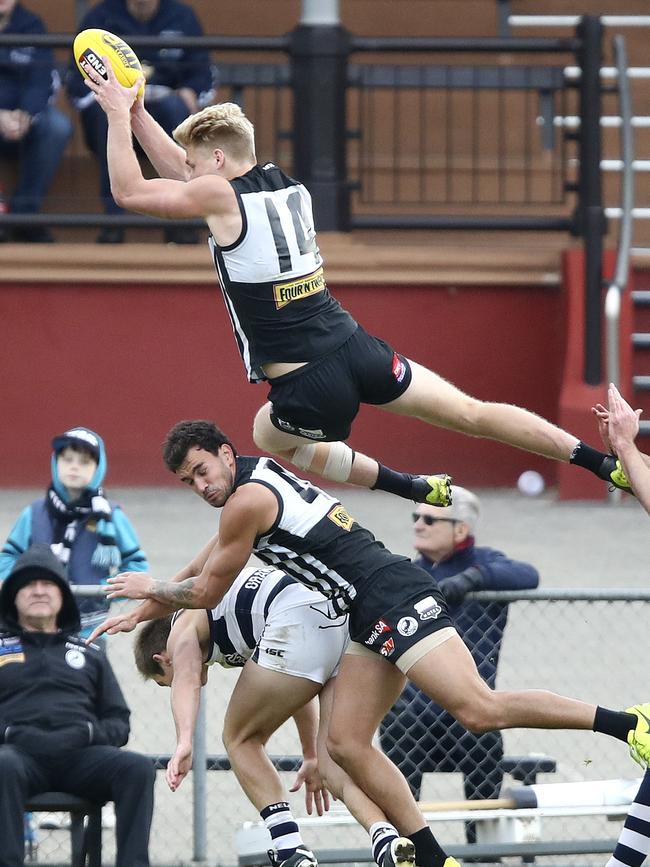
x,y
89,534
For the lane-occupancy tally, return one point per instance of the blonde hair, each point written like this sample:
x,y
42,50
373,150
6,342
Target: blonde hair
x,y
224,125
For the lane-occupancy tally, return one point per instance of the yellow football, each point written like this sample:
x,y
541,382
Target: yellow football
x,y
90,46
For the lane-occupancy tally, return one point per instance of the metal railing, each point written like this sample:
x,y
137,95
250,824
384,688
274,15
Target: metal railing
x,y
622,269
334,115
621,75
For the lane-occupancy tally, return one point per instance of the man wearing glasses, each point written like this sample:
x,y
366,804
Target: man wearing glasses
x,y
417,734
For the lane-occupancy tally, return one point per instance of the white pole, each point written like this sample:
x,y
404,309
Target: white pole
x,y
320,13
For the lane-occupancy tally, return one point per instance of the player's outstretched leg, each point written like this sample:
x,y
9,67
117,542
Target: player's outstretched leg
x,y
431,398
337,462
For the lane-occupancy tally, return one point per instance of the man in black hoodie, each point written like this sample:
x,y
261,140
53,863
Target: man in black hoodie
x,y
62,714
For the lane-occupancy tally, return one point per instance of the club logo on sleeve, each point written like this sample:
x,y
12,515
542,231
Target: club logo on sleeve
x,y
428,608
387,648
378,629
341,518
407,626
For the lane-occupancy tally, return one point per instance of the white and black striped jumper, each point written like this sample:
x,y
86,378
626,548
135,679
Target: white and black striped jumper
x,y
237,622
272,276
313,538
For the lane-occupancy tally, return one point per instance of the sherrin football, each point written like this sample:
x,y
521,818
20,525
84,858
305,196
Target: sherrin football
x,y
90,46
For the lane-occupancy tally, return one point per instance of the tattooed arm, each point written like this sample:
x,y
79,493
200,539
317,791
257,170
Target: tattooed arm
x,y
248,513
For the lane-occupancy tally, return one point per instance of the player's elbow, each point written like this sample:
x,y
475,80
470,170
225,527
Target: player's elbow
x,y
206,593
121,198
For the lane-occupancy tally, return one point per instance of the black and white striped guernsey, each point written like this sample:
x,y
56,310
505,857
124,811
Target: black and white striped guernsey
x,y
237,622
272,276
314,539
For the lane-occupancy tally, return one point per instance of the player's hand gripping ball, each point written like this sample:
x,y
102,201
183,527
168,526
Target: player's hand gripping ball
x,y
90,46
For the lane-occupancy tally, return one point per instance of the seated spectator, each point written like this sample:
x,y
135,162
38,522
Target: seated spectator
x,y
90,535
178,82
32,130
418,735
62,714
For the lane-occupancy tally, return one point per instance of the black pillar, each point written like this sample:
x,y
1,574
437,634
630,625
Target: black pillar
x,y
319,60
591,222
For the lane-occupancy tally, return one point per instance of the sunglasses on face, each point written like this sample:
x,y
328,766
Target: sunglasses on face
x,y
429,520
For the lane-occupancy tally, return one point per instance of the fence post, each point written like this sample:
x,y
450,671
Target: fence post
x,y
319,57
590,216
199,788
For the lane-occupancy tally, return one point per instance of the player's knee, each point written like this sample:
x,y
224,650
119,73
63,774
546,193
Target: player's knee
x,y
470,414
342,751
478,715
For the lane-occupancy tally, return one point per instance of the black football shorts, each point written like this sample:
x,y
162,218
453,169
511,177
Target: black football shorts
x,y
395,608
320,400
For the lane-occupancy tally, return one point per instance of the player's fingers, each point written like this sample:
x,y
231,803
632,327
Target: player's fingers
x,y
109,69
99,630
121,626
318,800
326,800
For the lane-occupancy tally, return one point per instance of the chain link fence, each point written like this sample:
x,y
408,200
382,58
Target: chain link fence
x,y
585,644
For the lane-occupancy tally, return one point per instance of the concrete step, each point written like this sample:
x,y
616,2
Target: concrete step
x,y
641,298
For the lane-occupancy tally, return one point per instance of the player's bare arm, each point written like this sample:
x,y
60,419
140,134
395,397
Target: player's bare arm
x,y
127,621
623,430
202,197
602,414
140,582
248,513
184,648
306,720
167,157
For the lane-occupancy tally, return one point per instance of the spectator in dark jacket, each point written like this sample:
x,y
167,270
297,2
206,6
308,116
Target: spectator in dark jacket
x,y
417,734
178,82
32,129
62,714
